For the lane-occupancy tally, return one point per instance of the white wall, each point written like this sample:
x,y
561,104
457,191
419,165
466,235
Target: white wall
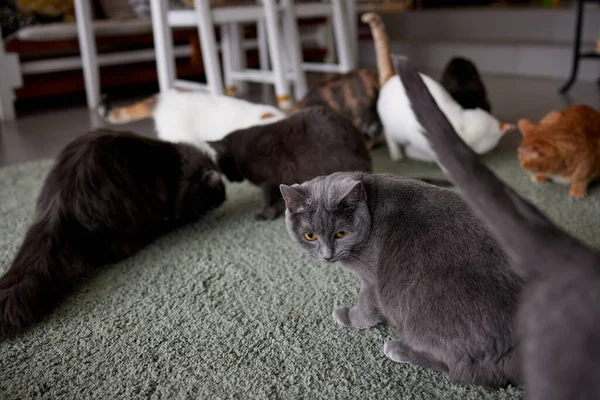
x,y
526,42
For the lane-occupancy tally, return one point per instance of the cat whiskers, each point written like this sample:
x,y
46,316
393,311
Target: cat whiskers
x,y
356,258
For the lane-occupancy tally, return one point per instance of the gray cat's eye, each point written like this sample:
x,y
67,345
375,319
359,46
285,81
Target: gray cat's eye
x,y
340,234
311,237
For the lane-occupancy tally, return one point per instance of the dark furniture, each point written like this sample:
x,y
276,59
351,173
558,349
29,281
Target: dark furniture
x,y
577,53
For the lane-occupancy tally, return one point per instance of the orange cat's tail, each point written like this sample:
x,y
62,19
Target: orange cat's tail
x,y
382,46
133,112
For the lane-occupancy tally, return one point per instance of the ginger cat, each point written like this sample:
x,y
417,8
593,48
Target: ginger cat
x,y
564,147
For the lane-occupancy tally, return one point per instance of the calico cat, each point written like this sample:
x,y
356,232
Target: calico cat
x,y
193,117
427,267
353,95
462,80
108,195
564,146
477,128
312,142
558,317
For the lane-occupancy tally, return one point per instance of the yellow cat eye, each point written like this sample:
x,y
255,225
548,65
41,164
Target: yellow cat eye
x,y
310,236
340,234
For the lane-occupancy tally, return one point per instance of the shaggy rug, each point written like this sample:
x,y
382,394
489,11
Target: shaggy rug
x,y
227,308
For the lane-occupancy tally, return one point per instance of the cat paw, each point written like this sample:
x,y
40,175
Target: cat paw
x,y
578,194
396,351
341,315
354,318
539,178
578,190
396,156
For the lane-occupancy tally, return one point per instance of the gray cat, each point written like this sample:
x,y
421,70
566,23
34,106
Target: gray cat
x,y
427,266
559,315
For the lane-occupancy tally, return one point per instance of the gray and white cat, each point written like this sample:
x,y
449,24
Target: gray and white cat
x,y
427,266
559,314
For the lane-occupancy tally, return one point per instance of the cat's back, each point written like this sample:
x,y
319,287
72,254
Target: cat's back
x,y
412,211
576,128
584,118
109,167
398,192
396,111
316,128
428,236
338,91
106,150
196,117
312,142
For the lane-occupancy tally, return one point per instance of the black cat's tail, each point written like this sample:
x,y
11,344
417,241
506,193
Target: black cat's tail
x,y
38,276
521,228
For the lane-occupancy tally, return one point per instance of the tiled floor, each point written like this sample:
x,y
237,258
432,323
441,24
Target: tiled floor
x,y
42,134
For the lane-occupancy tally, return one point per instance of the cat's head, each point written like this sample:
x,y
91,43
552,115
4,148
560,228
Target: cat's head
x,y
538,153
328,216
201,188
482,130
226,159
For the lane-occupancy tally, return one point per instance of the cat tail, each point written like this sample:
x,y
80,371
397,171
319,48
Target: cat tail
x,y
43,267
437,182
382,46
133,112
522,230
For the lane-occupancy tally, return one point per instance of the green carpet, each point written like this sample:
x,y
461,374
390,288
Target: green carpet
x,y
226,308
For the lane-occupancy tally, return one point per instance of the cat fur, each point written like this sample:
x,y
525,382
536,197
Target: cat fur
x,y
353,95
427,266
462,81
108,195
558,317
314,141
480,130
193,117
563,147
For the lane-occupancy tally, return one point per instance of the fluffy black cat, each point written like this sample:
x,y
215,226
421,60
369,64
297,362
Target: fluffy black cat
x,y
462,80
559,317
108,195
310,143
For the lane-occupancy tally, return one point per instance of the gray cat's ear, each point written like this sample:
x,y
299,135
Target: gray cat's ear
x,y
211,178
354,195
294,200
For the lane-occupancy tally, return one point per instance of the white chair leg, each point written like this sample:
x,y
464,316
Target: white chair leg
x,y
227,56
263,46
7,107
87,48
328,43
238,54
208,44
9,79
282,89
353,28
294,48
163,45
342,36
263,57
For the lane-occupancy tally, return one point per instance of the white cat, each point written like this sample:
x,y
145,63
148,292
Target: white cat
x,y
477,128
193,117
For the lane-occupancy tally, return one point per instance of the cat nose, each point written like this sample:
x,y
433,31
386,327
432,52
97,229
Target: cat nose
x,y
328,257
